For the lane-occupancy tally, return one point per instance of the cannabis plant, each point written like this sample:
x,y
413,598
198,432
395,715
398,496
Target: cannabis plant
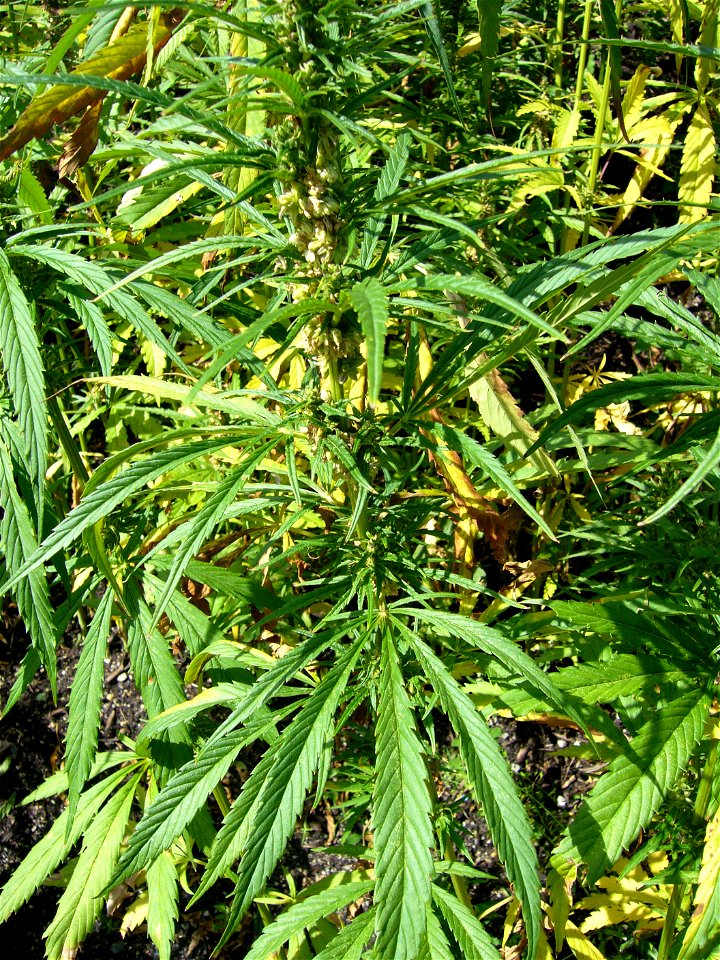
x,y
261,339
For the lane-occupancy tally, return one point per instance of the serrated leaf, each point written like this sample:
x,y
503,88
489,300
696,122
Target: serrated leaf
x,y
199,528
85,702
81,903
386,186
156,674
493,785
183,796
627,795
55,846
32,595
474,941
697,169
304,914
371,303
278,791
471,450
98,503
122,59
402,810
23,368
349,944
489,29
437,946
162,903
90,316
491,641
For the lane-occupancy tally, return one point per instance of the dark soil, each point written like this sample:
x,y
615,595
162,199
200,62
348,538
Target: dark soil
x,y
31,748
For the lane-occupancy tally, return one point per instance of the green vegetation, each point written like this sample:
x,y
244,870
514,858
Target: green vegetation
x,y
312,326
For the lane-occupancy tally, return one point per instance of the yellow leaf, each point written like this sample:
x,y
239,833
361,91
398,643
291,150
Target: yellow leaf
x,y
580,945
697,171
118,61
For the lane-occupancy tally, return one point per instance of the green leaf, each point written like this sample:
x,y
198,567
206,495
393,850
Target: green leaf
x,y
81,903
91,276
433,28
371,303
32,594
482,289
48,853
480,457
156,674
437,946
350,943
489,27
470,934
707,464
90,315
387,184
614,63
650,388
183,796
163,895
492,784
304,914
494,643
22,364
277,791
85,702
402,810
627,795
99,503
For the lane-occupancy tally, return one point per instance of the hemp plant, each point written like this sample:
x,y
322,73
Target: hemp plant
x,y
306,511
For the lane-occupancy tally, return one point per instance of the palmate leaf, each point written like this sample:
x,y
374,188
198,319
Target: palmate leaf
x,y
402,810
33,594
493,785
81,903
304,914
48,853
156,675
23,368
370,300
627,795
494,643
185,793
91,276
276,792
470,934
85,702
199,528
100,502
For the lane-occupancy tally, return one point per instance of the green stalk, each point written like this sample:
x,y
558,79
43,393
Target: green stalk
x,y
582,61
557,52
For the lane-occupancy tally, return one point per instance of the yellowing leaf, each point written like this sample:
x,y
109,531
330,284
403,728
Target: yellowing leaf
x,y
79,147
580,945
697,171
118,61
